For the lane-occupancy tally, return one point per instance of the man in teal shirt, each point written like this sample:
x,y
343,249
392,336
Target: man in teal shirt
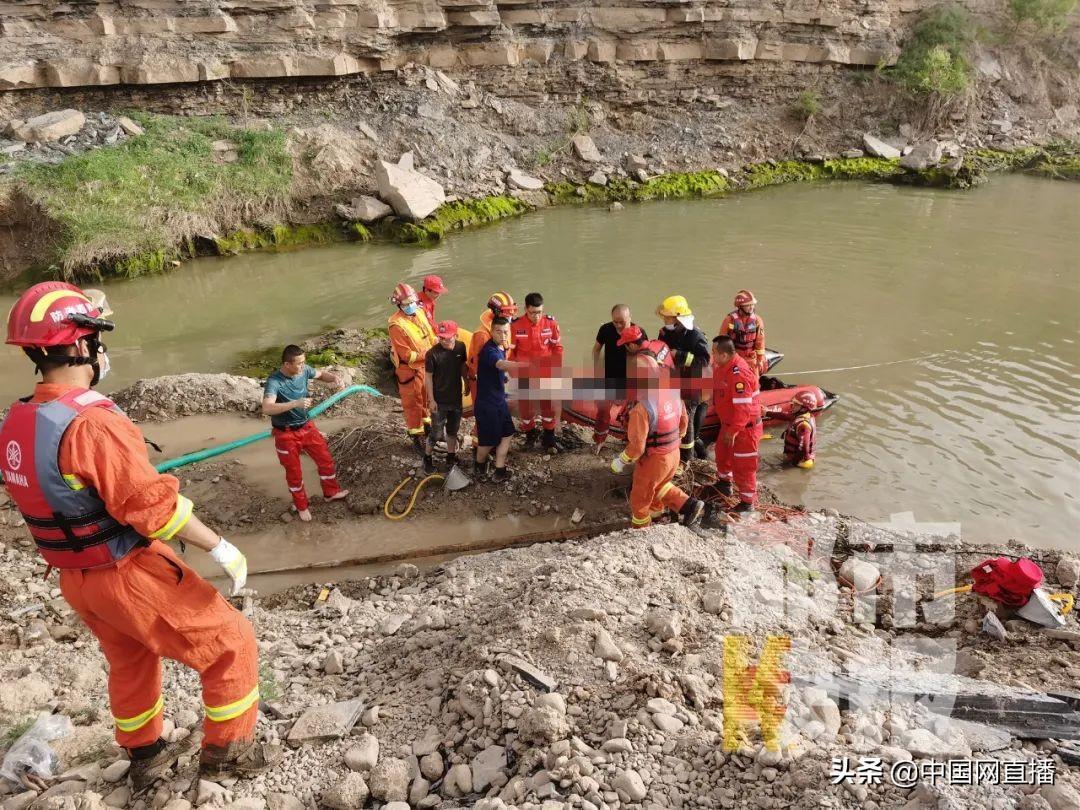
x,y
286,402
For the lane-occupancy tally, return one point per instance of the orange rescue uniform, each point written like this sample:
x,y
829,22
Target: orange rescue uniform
x,y
541,344
479,339
735,398
748,334
410,338
654,443
150,605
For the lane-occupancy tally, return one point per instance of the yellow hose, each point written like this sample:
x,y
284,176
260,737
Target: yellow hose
x,y
961,589
412,501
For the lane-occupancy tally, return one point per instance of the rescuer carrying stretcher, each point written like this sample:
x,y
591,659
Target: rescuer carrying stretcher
x,y
78,471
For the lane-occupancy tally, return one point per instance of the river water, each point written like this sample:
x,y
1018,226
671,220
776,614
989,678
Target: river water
x,y
983,286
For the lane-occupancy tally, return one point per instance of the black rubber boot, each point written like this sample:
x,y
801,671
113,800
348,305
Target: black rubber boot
x,y
699,449
685,454
429,464
501,474
419,446
549,442
723,487
451,461
692,511
743,507
481,468
530,438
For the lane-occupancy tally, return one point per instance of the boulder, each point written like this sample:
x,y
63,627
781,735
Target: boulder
x,y
349,794
129,126
1060,796
390,780
410,194
859,573
922,156
606,648
50,126
1068,571
363,755
878,147
598,179
519,180
487,767
365,208
585,148
458,781
542,725
629,782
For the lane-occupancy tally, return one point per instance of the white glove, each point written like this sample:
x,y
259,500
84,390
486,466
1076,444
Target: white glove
x,y
232,562
617,464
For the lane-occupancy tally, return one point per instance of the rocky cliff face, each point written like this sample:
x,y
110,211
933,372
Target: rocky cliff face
x,y
85,43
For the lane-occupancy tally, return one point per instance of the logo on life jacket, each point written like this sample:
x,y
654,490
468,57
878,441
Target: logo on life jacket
x,y
14,455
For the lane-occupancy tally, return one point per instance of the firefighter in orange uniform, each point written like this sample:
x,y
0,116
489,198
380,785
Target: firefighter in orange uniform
x,y
656,423
430,292
636,342
535,339
77,469
499,305
735,398
801,435
411,335
747,330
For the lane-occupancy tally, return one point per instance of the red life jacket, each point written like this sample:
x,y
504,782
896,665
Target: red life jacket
x,y
67,520
793,444
744,331
661,351
665,413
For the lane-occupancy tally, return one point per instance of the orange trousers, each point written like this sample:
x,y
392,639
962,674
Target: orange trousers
x,y
151,605
414,403
652,489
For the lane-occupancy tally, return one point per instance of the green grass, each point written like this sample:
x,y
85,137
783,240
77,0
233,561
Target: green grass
x,y
15,731
148,195
1046,15
935,58
808,104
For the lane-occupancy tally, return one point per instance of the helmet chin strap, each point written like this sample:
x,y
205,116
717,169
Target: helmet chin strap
x,y
93,343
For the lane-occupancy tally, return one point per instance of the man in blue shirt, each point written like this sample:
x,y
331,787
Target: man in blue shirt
x,y
286,402
494,425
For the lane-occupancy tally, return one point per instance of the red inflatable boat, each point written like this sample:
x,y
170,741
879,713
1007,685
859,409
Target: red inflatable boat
x,y
776,397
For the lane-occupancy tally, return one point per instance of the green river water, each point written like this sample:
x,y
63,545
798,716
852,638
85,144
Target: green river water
x,y
984,432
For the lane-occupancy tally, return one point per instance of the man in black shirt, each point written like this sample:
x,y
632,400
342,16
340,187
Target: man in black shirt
x,y
607,340
447,376
692,355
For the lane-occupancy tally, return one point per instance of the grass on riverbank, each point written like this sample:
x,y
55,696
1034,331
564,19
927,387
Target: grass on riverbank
x,y
131,206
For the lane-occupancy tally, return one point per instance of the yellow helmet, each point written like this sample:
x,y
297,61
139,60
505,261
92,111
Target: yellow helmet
x,y
674,306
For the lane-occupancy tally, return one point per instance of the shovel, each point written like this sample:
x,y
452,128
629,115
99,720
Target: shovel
x,y
456,479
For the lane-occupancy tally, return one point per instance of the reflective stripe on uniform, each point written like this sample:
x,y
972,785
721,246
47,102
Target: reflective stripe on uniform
x,y
645,521
687,445
73,482
230,711
412,356
178,520
282,452
130,724
327,477
689,358
656,514
741,400
626,459
744,455
296,489
664,489
416,431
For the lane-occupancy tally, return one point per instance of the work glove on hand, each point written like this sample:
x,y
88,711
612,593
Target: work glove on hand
x,y
232,562
618,464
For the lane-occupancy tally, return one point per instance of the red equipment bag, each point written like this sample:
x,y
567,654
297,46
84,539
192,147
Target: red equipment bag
x,y
1007,581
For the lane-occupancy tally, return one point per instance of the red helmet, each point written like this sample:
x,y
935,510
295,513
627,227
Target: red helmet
x,y
434,284
502,305
631,334
806,400
55,313
402,293
744,298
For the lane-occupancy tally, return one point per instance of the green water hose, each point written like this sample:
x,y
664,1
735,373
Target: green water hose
x,y
220,449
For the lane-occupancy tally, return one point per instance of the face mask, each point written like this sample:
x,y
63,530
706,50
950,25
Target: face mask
x,y
409,309
101,367
670,326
